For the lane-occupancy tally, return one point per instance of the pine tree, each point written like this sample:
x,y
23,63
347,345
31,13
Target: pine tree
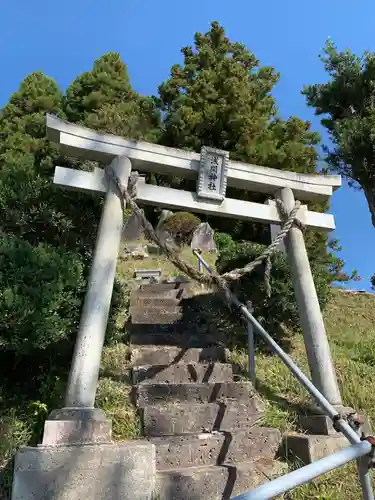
x,y
347,103
222,97
104,100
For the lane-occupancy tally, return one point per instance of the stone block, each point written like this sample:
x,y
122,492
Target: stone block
x,y
216,482
308,449
98,472
73,432
173,419
183,373
76,426
155,315
174,452
321,424
152,355
139,301
177,334
154,394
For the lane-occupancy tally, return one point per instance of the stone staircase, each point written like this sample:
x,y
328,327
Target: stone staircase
x,y
203,420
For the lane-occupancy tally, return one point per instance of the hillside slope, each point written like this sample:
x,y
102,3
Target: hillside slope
x,y
350,322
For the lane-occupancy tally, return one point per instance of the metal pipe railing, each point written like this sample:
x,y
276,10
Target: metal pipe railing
x,y
345,428
306,474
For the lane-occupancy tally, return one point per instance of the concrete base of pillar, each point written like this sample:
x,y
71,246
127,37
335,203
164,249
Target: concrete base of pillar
x,y
70,426
95,472
321,424
308,449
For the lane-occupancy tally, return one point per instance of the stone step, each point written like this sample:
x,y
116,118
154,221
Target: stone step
x,y
144,301
217,482
176,293
154,394
183,373
176,334
155,315
216,448
171,419
151,355
164,287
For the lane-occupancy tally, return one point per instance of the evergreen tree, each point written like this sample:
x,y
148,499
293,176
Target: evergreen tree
x,y
39,224
104,100
221,97
347,102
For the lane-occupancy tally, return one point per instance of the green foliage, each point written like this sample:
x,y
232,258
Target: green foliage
x,y
181,226
221,96
347,104
104,100
281,306
224,242
40,294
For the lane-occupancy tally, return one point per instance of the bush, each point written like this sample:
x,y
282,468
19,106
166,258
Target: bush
x,y
181,227
281,307
40,294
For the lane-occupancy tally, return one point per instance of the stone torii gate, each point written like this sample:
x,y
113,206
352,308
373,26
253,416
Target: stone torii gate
x,y
79,422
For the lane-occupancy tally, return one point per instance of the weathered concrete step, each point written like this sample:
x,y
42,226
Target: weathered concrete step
x,y
154,394
152,355
157,315
217,482
146,301
176,293
176,334
171,419
164,287
183,373
217,448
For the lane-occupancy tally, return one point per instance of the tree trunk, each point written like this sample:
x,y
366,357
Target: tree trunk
x,y
370,197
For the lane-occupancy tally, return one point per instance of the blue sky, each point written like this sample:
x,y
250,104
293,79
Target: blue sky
x,y
62,39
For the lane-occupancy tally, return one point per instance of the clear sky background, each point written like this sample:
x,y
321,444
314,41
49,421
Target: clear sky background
x,y
62,39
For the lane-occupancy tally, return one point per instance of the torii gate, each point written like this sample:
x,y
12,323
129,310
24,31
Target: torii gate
x,y
213,171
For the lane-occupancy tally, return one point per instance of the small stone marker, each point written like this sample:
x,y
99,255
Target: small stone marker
x,y
213,173
132,230
148,275
203,238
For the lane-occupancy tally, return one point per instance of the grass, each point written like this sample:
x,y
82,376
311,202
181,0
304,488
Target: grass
x,y
350,322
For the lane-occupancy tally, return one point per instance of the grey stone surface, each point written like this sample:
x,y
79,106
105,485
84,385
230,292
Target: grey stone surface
x,y
183,373
148,355
175,452
172,419
82,414
154,394
73,432
84,371
177,334
317,347
136,301
308,449
105,472
216,482
158,315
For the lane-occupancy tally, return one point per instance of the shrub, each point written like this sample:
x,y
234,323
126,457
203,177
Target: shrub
x,y
281,307
224,242
40,294
181,227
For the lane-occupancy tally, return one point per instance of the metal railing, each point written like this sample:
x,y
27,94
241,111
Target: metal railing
x,y
361,449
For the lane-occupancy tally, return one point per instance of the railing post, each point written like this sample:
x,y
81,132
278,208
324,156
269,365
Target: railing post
x,y
317,348
250,344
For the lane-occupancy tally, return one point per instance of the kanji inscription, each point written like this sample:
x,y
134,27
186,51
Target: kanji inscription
x,y
212,181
